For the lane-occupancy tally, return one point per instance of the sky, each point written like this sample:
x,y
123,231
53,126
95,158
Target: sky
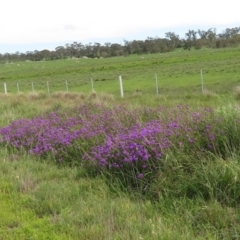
x,y
28,25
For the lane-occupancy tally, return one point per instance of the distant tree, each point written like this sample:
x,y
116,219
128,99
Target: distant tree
x,y
60,52
137,46
107,48
191,38
46,54
37,56
30,55
127,48
7,57
211,37
230,37
108,44
116,49
23,56
174,39
68,52
80,49
96,49
17,56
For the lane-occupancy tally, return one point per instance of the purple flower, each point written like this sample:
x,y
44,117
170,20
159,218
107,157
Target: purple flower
x,y
116,138
140,175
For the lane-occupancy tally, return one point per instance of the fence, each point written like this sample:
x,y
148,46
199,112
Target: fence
x,y
17,87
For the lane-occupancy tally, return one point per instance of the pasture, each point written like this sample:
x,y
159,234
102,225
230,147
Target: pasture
x,y
178,73
84,165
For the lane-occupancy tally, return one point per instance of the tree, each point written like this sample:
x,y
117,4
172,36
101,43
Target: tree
x,y
46,54
96,49
60,52
211,37
80,49
116,49
173,38
191,37
127,47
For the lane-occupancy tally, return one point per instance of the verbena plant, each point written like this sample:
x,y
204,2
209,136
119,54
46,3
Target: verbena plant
x,y
129,145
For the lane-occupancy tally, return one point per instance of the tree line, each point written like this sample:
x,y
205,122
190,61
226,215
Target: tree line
x,y
230,37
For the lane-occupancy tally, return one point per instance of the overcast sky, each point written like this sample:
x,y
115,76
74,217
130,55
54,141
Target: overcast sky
x,y
37,25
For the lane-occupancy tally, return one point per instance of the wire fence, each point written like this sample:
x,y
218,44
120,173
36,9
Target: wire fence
x,y
49,87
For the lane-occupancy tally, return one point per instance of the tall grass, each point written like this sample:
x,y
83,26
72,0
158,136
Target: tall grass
x,y
87,168
130,143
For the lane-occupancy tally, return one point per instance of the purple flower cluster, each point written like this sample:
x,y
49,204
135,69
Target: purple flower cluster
x,y
113,137
56,131
133,147
39,135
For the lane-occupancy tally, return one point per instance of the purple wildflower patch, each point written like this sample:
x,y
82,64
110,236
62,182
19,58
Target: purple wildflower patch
x,y
117,138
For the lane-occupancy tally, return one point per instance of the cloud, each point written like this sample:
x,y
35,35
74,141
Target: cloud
x,y
55,21
70,27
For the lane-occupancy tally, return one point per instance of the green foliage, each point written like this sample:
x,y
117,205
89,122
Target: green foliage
x,y
195,195
42,201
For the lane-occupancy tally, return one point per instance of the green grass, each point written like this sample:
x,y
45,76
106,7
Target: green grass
x,y
42,201
178,73
196,196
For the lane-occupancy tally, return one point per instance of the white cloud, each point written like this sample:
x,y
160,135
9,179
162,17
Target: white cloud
x,y
29,21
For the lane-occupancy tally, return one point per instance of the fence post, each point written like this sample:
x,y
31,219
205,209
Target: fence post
x,y
18,88
92,85
48,88
67,85
156,83
5,88
201,75
32,87
121,86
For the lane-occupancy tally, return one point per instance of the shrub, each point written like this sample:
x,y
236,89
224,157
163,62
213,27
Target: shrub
x,y
128,144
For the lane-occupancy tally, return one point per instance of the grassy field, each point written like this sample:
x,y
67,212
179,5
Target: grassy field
x,y
178,73
192,193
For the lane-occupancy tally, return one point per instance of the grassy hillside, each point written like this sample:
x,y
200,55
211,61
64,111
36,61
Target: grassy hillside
x,y
178,73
